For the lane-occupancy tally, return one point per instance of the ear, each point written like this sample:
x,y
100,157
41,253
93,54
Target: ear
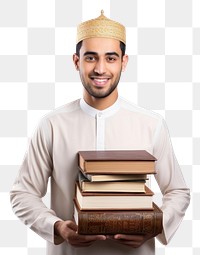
x,y
76,61
124,62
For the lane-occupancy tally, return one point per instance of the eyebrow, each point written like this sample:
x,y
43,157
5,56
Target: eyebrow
x,y
95,53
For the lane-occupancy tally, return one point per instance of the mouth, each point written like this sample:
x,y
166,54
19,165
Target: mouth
x,y
100,82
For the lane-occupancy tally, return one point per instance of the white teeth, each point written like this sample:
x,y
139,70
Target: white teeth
x,y
101,80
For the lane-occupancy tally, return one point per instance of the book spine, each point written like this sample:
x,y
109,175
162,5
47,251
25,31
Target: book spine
x,y
122,223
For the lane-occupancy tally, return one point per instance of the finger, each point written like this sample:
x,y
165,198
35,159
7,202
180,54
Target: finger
x,y
84,240
129,237
134,241
89,238
72,225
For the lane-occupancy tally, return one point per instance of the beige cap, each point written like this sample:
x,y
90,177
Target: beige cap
x,y
101,27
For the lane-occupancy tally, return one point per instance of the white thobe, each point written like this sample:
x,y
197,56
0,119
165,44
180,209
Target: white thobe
x,y
52,153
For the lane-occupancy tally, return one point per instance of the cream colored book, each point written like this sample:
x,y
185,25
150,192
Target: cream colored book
x,y
111,186
114,200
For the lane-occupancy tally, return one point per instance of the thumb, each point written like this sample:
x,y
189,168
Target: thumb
x,y
72,225
101,237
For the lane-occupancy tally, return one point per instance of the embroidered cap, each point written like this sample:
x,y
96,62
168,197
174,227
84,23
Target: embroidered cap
x,y
101,27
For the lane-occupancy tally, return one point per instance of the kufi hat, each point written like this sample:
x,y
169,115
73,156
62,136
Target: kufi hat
x,y
101,27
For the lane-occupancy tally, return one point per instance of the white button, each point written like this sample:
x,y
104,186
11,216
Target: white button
x,y
100,114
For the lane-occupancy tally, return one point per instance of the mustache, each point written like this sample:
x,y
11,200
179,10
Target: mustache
x,y
99,76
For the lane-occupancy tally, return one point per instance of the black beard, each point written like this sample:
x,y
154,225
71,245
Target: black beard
x,y
98,94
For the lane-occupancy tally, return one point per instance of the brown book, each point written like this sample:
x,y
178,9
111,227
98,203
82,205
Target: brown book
x,y
114,200
118,222
110,186
117,161
114,177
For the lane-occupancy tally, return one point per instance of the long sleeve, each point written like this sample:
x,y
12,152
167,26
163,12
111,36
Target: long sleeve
x,y
176,195
31,185
52,154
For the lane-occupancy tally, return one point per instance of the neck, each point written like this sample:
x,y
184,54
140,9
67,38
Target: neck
x,y
100,103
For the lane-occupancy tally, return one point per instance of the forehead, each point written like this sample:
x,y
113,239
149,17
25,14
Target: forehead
x,y
101,45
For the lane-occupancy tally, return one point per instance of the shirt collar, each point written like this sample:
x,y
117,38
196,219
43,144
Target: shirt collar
x,y
104,113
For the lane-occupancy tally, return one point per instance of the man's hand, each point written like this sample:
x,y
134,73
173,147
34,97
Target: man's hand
x,y
134,241
67,230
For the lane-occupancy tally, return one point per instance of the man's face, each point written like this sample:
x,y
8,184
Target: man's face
x,y
100,64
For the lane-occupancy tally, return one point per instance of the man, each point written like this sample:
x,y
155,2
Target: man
x,y
101,120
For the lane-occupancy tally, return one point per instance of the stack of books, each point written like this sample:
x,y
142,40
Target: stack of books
x,y
112,196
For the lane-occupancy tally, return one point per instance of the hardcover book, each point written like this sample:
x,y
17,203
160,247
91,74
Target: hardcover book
x,y
118,222
115,177
115,162
114,200
111,186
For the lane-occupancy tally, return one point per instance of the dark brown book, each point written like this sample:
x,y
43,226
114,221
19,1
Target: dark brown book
x,y
118,222
117,161
114,200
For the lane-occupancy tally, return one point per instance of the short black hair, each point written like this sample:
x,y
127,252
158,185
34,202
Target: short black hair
x,y
122,47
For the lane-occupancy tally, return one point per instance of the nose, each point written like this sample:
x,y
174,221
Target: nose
x,y
100,66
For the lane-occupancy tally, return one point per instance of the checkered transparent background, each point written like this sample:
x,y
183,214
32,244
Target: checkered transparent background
x,y
37,40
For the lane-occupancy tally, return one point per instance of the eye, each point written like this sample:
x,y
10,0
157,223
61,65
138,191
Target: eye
x,y
111,59
90,59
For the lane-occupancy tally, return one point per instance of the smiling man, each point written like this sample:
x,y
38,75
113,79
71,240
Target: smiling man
x,y
100,63
101,120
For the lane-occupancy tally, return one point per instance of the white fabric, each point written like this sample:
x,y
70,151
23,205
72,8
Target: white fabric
x,y
53,154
